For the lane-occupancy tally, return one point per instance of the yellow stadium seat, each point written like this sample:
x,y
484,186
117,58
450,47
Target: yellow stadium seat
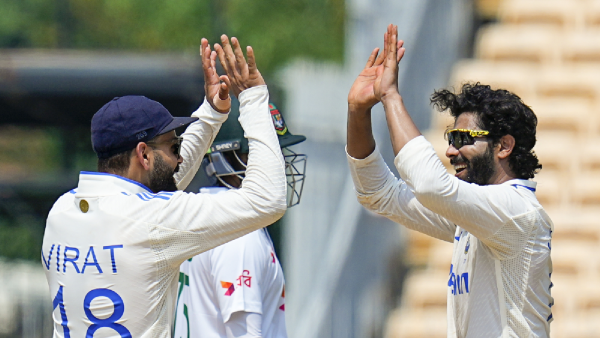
x,y
589,156
592,14
570,81
555,150
576,224
530,43
440,257
410,323
550,190
418,249
518,78
574,259
580,46
586,189
425,289
565,300
563,114
558,13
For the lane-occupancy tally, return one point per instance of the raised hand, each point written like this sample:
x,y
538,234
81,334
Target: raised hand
x,y
215,86
386,83
362,94
241,75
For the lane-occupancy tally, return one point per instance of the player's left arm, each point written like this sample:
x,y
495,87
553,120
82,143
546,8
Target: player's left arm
x,y
212,113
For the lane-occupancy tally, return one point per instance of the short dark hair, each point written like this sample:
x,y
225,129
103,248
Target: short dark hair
x,y
501,113
117,164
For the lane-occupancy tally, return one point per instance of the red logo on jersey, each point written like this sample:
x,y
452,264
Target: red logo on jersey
x,y
229,286
273,256
282,307
245,278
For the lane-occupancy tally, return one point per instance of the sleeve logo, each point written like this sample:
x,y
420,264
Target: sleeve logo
x,y
243,280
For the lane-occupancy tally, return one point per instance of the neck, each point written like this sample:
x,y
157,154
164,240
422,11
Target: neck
x,y
503,173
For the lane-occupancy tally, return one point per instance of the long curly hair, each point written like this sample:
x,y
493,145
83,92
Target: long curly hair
x,y
501,113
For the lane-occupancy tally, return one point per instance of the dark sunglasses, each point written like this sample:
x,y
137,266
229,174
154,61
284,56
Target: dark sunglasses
x,y
176,145
463,137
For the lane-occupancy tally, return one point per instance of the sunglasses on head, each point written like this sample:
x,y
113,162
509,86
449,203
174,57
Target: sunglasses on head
x,y
462,137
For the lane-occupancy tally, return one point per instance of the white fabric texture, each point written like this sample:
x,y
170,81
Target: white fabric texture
x,y
244,325
112,266
499,281
241,276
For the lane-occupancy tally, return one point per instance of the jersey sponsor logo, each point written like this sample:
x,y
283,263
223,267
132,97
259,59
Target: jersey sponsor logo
x,y
70,258
458,283
282,307
468,245
243,280
229,286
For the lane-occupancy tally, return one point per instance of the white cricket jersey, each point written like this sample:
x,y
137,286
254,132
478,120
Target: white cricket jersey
x,y
499,282
241,275
112,249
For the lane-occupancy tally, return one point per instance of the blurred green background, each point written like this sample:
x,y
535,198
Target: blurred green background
x,y
279,31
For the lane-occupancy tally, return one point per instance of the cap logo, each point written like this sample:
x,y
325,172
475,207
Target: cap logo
x,y
278,121
141,135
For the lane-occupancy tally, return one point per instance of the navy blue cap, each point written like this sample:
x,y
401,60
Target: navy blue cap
x,y
125,121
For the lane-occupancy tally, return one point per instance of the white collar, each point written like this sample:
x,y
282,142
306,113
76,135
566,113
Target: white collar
x,y
102,184
530,185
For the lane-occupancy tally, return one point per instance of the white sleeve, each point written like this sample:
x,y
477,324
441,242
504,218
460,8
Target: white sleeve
x,y
481,210
187,224
237,270
244,325
197,138
380,191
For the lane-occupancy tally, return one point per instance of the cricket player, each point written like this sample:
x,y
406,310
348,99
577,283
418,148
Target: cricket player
x,y
499,281
238,288
113,246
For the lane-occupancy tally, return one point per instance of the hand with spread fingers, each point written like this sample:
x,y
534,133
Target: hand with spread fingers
x,y
362,94
386,82
215,86
241,75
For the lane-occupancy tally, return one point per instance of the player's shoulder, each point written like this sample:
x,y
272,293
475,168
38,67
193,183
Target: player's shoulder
x,y
63,202
141,200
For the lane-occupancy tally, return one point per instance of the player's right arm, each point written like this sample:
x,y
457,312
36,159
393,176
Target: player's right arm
x,y
378,190
206,221
376,187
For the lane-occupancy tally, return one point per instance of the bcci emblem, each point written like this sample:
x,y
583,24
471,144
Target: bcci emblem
x,y
468,245
278,121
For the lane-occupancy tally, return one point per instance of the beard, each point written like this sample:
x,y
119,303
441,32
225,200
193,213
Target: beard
x,y
480,169
161,178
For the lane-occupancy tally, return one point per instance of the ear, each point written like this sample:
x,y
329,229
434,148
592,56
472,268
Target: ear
x,y
142,155
507,144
